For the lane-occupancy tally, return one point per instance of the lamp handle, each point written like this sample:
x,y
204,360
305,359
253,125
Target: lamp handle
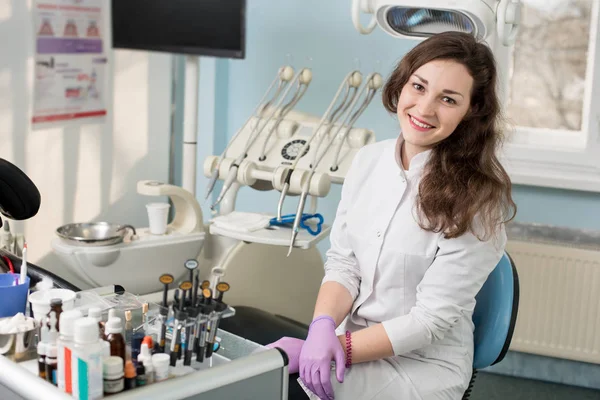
x,y
356,19
508,12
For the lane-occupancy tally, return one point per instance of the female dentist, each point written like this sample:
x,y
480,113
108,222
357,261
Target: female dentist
x,y
419,227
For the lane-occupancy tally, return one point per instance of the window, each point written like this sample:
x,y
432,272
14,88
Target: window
x,y
550,83
549,65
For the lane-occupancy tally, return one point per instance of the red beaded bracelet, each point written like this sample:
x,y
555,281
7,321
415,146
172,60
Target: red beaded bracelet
x,y
348,349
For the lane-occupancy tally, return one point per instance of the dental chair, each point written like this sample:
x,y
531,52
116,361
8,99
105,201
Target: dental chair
x,y
494,318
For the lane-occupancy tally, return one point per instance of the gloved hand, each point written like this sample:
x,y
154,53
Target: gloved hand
x,y
321,346
292,347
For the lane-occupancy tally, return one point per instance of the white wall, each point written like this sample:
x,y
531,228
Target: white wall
x,y
84,172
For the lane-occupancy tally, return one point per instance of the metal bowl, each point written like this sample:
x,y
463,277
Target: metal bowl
x,y
93,233
19,346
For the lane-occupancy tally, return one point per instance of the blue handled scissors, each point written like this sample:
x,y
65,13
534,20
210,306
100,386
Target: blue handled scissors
x,y
289,219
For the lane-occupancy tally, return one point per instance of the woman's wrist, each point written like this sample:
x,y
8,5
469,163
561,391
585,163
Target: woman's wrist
x,y
347,348
323,317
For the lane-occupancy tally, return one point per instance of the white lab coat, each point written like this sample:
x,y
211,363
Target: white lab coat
x,y
420,285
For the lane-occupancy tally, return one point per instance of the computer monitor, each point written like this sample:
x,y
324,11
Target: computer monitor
x,y
199,27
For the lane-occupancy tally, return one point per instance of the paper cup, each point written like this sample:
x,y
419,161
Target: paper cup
x,y
158,216
40,301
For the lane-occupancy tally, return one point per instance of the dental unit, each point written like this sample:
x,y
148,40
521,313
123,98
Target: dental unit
x,y
303,78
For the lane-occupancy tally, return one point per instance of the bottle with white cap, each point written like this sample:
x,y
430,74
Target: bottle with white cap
x,y
96,314
87,361
113,331
113,375
160,362
64,348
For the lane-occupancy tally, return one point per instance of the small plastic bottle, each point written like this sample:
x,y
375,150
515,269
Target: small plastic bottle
x,y
42,352
88,379
140,375
51,363
113,331
129,375
96,314
65,346
145,358
160,362
113,375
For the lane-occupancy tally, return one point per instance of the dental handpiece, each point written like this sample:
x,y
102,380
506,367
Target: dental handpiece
x,y
180,317
373,84
336,115
284,75
232,173
352,80
303,83
298,218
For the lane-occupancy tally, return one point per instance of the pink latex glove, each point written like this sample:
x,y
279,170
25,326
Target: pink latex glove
x,y
292,347
320,348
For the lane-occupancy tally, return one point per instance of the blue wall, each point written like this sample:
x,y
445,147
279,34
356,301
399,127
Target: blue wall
x,y
320,34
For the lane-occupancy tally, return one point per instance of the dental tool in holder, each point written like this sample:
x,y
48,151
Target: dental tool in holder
x,y
288,163
373,82
303,77
283,78
351,82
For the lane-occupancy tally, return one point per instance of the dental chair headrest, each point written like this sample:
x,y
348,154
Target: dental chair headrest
x,y
19,197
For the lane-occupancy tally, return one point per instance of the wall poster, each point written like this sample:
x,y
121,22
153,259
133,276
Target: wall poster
x,y
71,62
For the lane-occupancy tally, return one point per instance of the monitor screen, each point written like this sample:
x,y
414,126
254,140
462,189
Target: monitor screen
x,y
201,27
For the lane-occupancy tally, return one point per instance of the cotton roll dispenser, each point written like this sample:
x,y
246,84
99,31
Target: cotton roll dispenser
x,y
133,257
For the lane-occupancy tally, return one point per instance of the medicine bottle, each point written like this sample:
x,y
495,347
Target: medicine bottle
x,y
56,306
113,335
113,375
129,375
51,363
96,314
88,381
41,349
65,346
140,375
161,362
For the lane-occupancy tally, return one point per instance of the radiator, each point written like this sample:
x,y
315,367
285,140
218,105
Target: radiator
x,y
559,308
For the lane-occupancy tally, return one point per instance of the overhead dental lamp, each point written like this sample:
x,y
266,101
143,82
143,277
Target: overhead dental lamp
x,y
419,19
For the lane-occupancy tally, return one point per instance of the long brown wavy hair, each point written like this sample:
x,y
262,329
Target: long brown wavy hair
x,y
463,178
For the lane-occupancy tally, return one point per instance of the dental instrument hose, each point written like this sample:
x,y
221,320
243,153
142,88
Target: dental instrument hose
x,y
232,173
284,75
353,79
373,82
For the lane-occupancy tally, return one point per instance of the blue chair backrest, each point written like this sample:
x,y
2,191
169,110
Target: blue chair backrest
x,y
495,314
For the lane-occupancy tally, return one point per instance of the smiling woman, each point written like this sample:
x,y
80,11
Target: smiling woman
x,y
444,93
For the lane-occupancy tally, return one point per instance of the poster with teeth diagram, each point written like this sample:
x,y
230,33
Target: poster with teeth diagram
x,y
71,61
